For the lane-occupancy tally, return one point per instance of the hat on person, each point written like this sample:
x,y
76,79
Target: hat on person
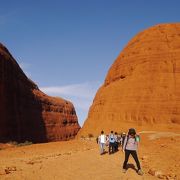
x,y
132,131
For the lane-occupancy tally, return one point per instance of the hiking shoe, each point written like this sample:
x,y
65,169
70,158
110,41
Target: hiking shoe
x,y
124,170
140,172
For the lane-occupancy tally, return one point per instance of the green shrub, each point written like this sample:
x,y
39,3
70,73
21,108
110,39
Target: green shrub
x,y
26,143
13,143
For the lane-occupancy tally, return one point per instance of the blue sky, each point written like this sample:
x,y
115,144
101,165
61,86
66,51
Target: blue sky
x,y
67,46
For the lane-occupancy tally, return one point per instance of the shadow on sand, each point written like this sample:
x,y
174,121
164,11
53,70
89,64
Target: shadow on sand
x,y
131,166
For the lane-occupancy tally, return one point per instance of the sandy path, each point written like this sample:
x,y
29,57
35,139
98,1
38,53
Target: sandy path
x,y
78,160
76,164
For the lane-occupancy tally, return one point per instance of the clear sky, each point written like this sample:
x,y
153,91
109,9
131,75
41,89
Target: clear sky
x,y
67,46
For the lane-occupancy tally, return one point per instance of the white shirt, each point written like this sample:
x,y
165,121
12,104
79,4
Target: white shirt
x,y
102,138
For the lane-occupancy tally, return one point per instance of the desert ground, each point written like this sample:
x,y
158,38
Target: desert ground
x,y
79,159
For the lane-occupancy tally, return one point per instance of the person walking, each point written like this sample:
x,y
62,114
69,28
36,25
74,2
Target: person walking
x,y
102,142
123,138
130,147
116,142
111,142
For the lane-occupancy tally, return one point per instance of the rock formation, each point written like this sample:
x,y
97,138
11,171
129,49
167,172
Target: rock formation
x,y
26,113
142,87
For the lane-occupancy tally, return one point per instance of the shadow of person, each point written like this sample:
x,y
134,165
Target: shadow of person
x,y
105,152
131,166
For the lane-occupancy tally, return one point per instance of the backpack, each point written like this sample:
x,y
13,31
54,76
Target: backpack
x,y
111,138
137,138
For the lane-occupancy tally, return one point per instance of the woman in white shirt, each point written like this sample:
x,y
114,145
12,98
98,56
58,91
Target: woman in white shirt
x,y
102,142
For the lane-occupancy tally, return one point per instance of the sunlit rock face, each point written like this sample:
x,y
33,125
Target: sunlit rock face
x,y
142,87
26,113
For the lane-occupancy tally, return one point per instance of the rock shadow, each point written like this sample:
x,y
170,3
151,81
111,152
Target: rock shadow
x,y
20,109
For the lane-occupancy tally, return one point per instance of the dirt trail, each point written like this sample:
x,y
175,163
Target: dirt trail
x,y
76,160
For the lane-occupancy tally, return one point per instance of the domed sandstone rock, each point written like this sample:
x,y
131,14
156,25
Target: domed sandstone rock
x,y
142,87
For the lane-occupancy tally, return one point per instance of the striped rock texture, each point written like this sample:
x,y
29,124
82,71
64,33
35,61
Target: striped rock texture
x,y
26,113
142,87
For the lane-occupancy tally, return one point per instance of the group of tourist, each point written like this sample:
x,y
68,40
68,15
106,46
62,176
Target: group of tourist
x,y
128,142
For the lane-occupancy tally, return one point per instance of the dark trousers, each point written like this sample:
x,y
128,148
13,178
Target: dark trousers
x,y
111,148
134,155
116,146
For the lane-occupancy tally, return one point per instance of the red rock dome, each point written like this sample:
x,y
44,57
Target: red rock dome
x,y
142,87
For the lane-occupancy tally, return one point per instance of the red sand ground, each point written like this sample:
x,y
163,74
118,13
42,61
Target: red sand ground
x,y
159,153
